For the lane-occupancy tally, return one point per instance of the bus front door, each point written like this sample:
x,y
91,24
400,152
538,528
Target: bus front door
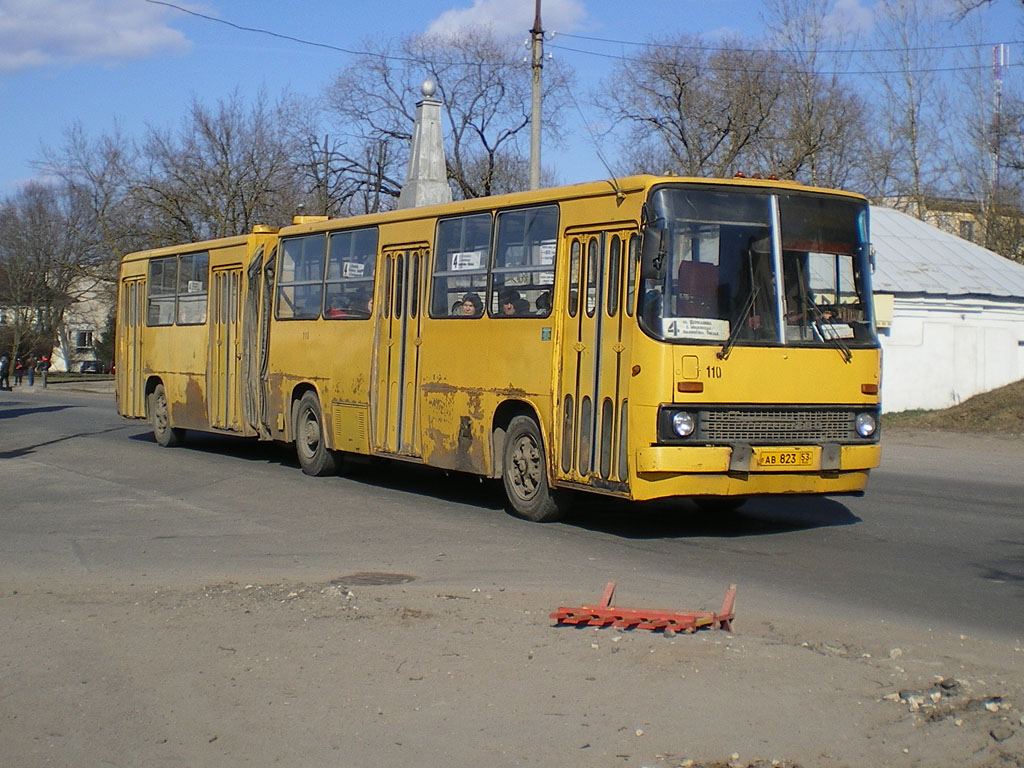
x,y
131,391
595,352
396,413
225,350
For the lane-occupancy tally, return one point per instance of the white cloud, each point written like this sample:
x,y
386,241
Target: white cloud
x,y
850,17
37,33
505,18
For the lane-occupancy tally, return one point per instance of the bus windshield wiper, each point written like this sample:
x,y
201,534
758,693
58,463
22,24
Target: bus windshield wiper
x,y
734,333
831,337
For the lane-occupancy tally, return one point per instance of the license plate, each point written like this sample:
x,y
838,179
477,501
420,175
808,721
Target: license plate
x,y
785,458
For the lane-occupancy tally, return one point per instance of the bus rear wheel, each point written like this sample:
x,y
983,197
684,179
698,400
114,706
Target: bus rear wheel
x,y
310,440
525,473
160,414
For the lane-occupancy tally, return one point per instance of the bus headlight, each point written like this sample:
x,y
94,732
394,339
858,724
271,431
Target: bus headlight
x,y
866,424
683,423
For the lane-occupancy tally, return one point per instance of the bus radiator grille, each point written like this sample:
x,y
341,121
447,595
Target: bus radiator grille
x,y
782,425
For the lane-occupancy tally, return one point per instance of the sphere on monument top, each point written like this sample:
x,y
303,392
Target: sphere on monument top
x,y
428,88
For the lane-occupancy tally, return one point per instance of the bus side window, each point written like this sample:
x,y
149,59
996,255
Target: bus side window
x,y
523,272
300,285
162,290
351,261
461,253
192,288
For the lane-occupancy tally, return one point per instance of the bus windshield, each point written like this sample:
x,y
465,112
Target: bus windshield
x,y
758,268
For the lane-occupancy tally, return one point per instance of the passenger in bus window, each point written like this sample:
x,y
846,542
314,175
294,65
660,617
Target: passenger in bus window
x,y
543,304
508,299
360,304
472,306
511,304
334,307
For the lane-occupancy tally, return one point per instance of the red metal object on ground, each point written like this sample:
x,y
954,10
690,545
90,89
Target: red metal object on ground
x,y
607,615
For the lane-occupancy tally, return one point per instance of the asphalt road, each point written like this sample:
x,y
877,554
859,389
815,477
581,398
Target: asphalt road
x,y
937,541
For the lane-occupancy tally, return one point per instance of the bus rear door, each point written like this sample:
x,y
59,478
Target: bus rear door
x,y
130,384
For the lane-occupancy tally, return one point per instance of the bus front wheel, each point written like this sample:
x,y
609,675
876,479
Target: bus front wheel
x,y
310,441
160,414
525,473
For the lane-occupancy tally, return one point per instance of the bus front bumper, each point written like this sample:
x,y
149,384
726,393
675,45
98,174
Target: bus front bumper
x,y
668,470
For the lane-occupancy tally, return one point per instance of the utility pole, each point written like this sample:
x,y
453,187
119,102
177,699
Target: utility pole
x,y
327,176
1000,60
537,47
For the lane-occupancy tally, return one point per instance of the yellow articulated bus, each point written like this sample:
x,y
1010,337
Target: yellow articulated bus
x,y
646,338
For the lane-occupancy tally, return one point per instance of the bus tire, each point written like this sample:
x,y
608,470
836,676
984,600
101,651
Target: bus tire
x,y
310,439
525,473
164,434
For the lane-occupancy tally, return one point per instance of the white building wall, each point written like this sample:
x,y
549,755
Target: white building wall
x,y
941,351
88,313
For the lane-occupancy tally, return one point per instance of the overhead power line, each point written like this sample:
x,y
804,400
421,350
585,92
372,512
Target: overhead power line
x,y
281,36
841,72
756,49
623,57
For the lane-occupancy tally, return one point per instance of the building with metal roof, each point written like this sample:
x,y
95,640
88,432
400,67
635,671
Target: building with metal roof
x,y
950,314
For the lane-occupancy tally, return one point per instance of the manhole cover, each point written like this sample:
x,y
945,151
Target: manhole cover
x,y
372,579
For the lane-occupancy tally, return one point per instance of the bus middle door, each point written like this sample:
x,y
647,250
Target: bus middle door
x,y
225,349
396,387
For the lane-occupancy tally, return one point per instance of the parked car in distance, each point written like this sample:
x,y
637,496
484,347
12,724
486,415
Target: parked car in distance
x,y
92,366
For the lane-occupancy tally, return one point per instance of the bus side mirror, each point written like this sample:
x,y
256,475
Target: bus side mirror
x,y
653,253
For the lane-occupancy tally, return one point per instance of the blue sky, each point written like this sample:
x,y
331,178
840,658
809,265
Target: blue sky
x,y
95,62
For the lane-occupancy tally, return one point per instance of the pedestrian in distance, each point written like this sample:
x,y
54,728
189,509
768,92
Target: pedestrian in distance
x,y
5,373
19,371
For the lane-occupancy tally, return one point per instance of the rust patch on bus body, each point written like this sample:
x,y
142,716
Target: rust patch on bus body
x,y
458,429
275,405
191,413
465,447
456,439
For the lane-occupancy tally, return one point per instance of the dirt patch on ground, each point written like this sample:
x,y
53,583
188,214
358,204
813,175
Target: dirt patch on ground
x,y
404,674
1000,411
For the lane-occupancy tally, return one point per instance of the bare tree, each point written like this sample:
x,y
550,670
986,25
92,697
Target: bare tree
x,y
41,265
98,176
819,136
690,109
224,171
485,91
980,130
911,103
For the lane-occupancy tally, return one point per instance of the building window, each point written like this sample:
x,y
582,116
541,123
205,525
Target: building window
x,y
83,341
967,230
